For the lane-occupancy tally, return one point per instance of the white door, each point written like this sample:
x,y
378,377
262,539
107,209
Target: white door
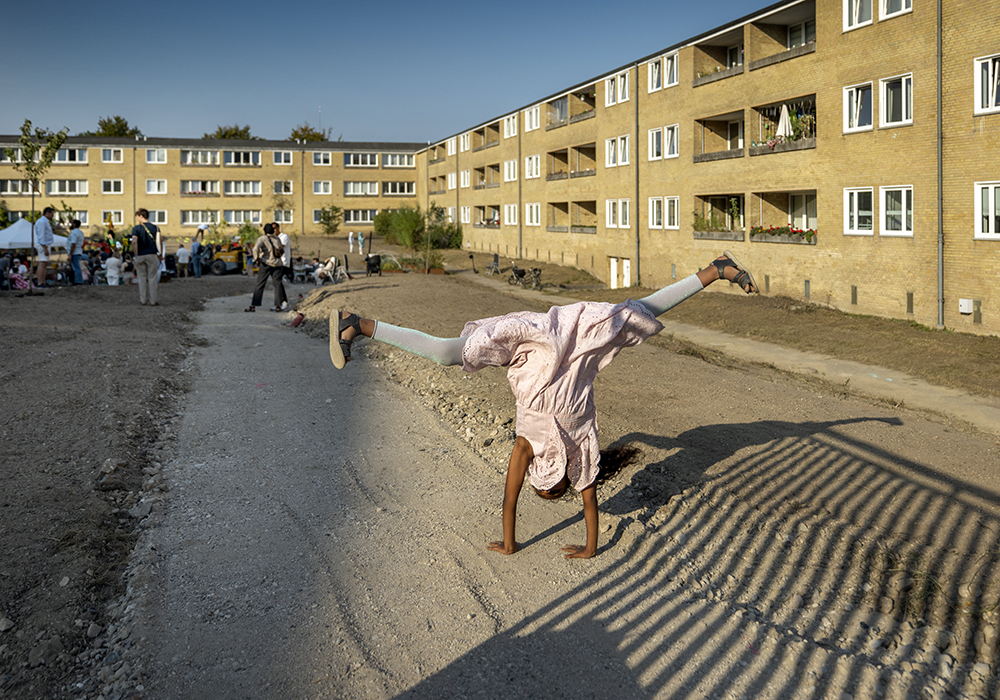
x,y
626,273
613,283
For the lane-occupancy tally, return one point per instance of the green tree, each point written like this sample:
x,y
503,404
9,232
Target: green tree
x,y
306,132
330,219
113,126
4,215
34,154
237,132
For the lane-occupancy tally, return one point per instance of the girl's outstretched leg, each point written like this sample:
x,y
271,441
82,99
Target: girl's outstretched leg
x,y
343,331
723,267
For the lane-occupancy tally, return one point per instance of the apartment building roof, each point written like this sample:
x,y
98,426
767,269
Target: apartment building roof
x,y
152,141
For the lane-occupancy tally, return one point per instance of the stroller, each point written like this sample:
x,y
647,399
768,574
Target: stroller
x,y
373,265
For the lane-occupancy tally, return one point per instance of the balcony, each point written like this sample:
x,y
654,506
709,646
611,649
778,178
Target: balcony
x,y
786,55
721,138
785,126
558,165
718,217
721,59
583,216
557,113
437,160
486,137
583,160
784,217
582,104
718,73
785,35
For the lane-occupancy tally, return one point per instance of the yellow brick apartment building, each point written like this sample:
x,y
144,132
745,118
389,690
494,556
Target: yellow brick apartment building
x,y
850,149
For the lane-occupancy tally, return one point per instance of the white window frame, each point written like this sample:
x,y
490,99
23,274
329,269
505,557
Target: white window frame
x,y
452,144
986,79
624,213
655,144
510,215
532,118
611,152
611,213
533,214
61,187
241,158
284,216
671,137
158,217
322,187
283,187
611,91
16,187
671,64
389,160
203,157
194,217
906,6
852,14
654,75
623,87
241,216
803,27
991,230
359,188
108,155
906,215
370,160
63,156
532,167
851,213
156,155
466,215
204,187
156,186
510,126
113,216
906,88
322,158
241,188
808,197
465,178
112,186
671,213
623,150
656,212
360,216
451,181
282,158
853,106
510,170
81,216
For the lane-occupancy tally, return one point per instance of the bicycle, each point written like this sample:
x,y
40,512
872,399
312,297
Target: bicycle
x,y
526,278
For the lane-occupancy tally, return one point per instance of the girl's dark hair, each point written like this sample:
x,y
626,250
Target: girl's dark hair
x,y
616,458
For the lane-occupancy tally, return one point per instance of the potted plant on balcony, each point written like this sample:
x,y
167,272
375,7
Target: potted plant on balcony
x,y
783,234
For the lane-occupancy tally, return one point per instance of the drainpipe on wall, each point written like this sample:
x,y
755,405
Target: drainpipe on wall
x,y
635,213
940,180
520,203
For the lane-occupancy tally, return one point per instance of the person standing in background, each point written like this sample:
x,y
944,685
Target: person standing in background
x,y
286,257
361,242
148,252
350,241
183,258
74,246
44,238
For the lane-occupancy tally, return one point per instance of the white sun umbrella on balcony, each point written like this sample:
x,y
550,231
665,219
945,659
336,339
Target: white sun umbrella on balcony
x,y
784,123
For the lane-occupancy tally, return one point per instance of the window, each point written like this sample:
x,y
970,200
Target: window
x,y
610,91
110,155
465,178
322,187
897,100
655,144
321,158
156,155
611,213
370,160
241,157
670,69
241,188
113,216
80,216
283,216
451,147
532,167
451,215
510,215
510,126
199,187
282,187
112,186
623,150
891,8
463,142
735,135
510,171
858,211
389,160
671,204
451,181
988,210
67,187
533,214
405,188
199,157
802,211
157,216
988,84
17,156
531,118
156,187
670,134
466,215
897,210
656,212
802,33
359,216
611,153
71,155
623,87
202,216
16,186
355,189
655,73
858,108
734,56
857,13
623,213
282,158
241,216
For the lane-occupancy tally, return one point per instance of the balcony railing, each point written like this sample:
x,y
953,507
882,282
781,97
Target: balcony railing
x,y
489,144
783,147
791,53
557,176
582,116
484,224
583,173
557,229
718,155
436,160
583,229
717,75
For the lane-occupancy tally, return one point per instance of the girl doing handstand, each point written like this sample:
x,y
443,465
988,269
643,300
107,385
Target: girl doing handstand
x,y
553,359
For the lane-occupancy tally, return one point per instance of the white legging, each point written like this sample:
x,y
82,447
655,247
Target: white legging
x,y
448,351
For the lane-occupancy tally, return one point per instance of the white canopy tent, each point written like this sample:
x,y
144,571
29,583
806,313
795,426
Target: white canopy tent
x,y
19,236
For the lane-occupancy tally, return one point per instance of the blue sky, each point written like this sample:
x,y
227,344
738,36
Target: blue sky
x,y
380,71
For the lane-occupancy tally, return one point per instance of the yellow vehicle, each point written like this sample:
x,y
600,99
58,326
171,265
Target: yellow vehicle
x,y
222,262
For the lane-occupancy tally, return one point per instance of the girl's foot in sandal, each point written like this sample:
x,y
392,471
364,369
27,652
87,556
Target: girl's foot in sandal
x,y
741,275
340,346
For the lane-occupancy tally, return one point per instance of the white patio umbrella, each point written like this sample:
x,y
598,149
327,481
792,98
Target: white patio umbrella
x,y
784,123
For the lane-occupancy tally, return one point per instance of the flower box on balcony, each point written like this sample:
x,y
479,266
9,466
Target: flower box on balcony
x,y
782,234
717,75
583,229
783,147
557,176
589,114
719,235
583,173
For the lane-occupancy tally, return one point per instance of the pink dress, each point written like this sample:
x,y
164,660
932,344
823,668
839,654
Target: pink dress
x,y
554,358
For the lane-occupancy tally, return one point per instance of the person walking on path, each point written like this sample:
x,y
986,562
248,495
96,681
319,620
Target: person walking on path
x,y
361,242
196,250
147,251
183,258
44,238
267,252
286,257
74,246
554,359
350,241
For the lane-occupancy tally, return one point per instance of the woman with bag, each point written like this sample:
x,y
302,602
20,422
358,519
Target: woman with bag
x,y
148,252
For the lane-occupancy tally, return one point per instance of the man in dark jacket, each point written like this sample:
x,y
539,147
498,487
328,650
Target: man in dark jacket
x,y
267,252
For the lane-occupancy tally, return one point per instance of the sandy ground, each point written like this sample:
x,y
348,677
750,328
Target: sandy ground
x,y
312,533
